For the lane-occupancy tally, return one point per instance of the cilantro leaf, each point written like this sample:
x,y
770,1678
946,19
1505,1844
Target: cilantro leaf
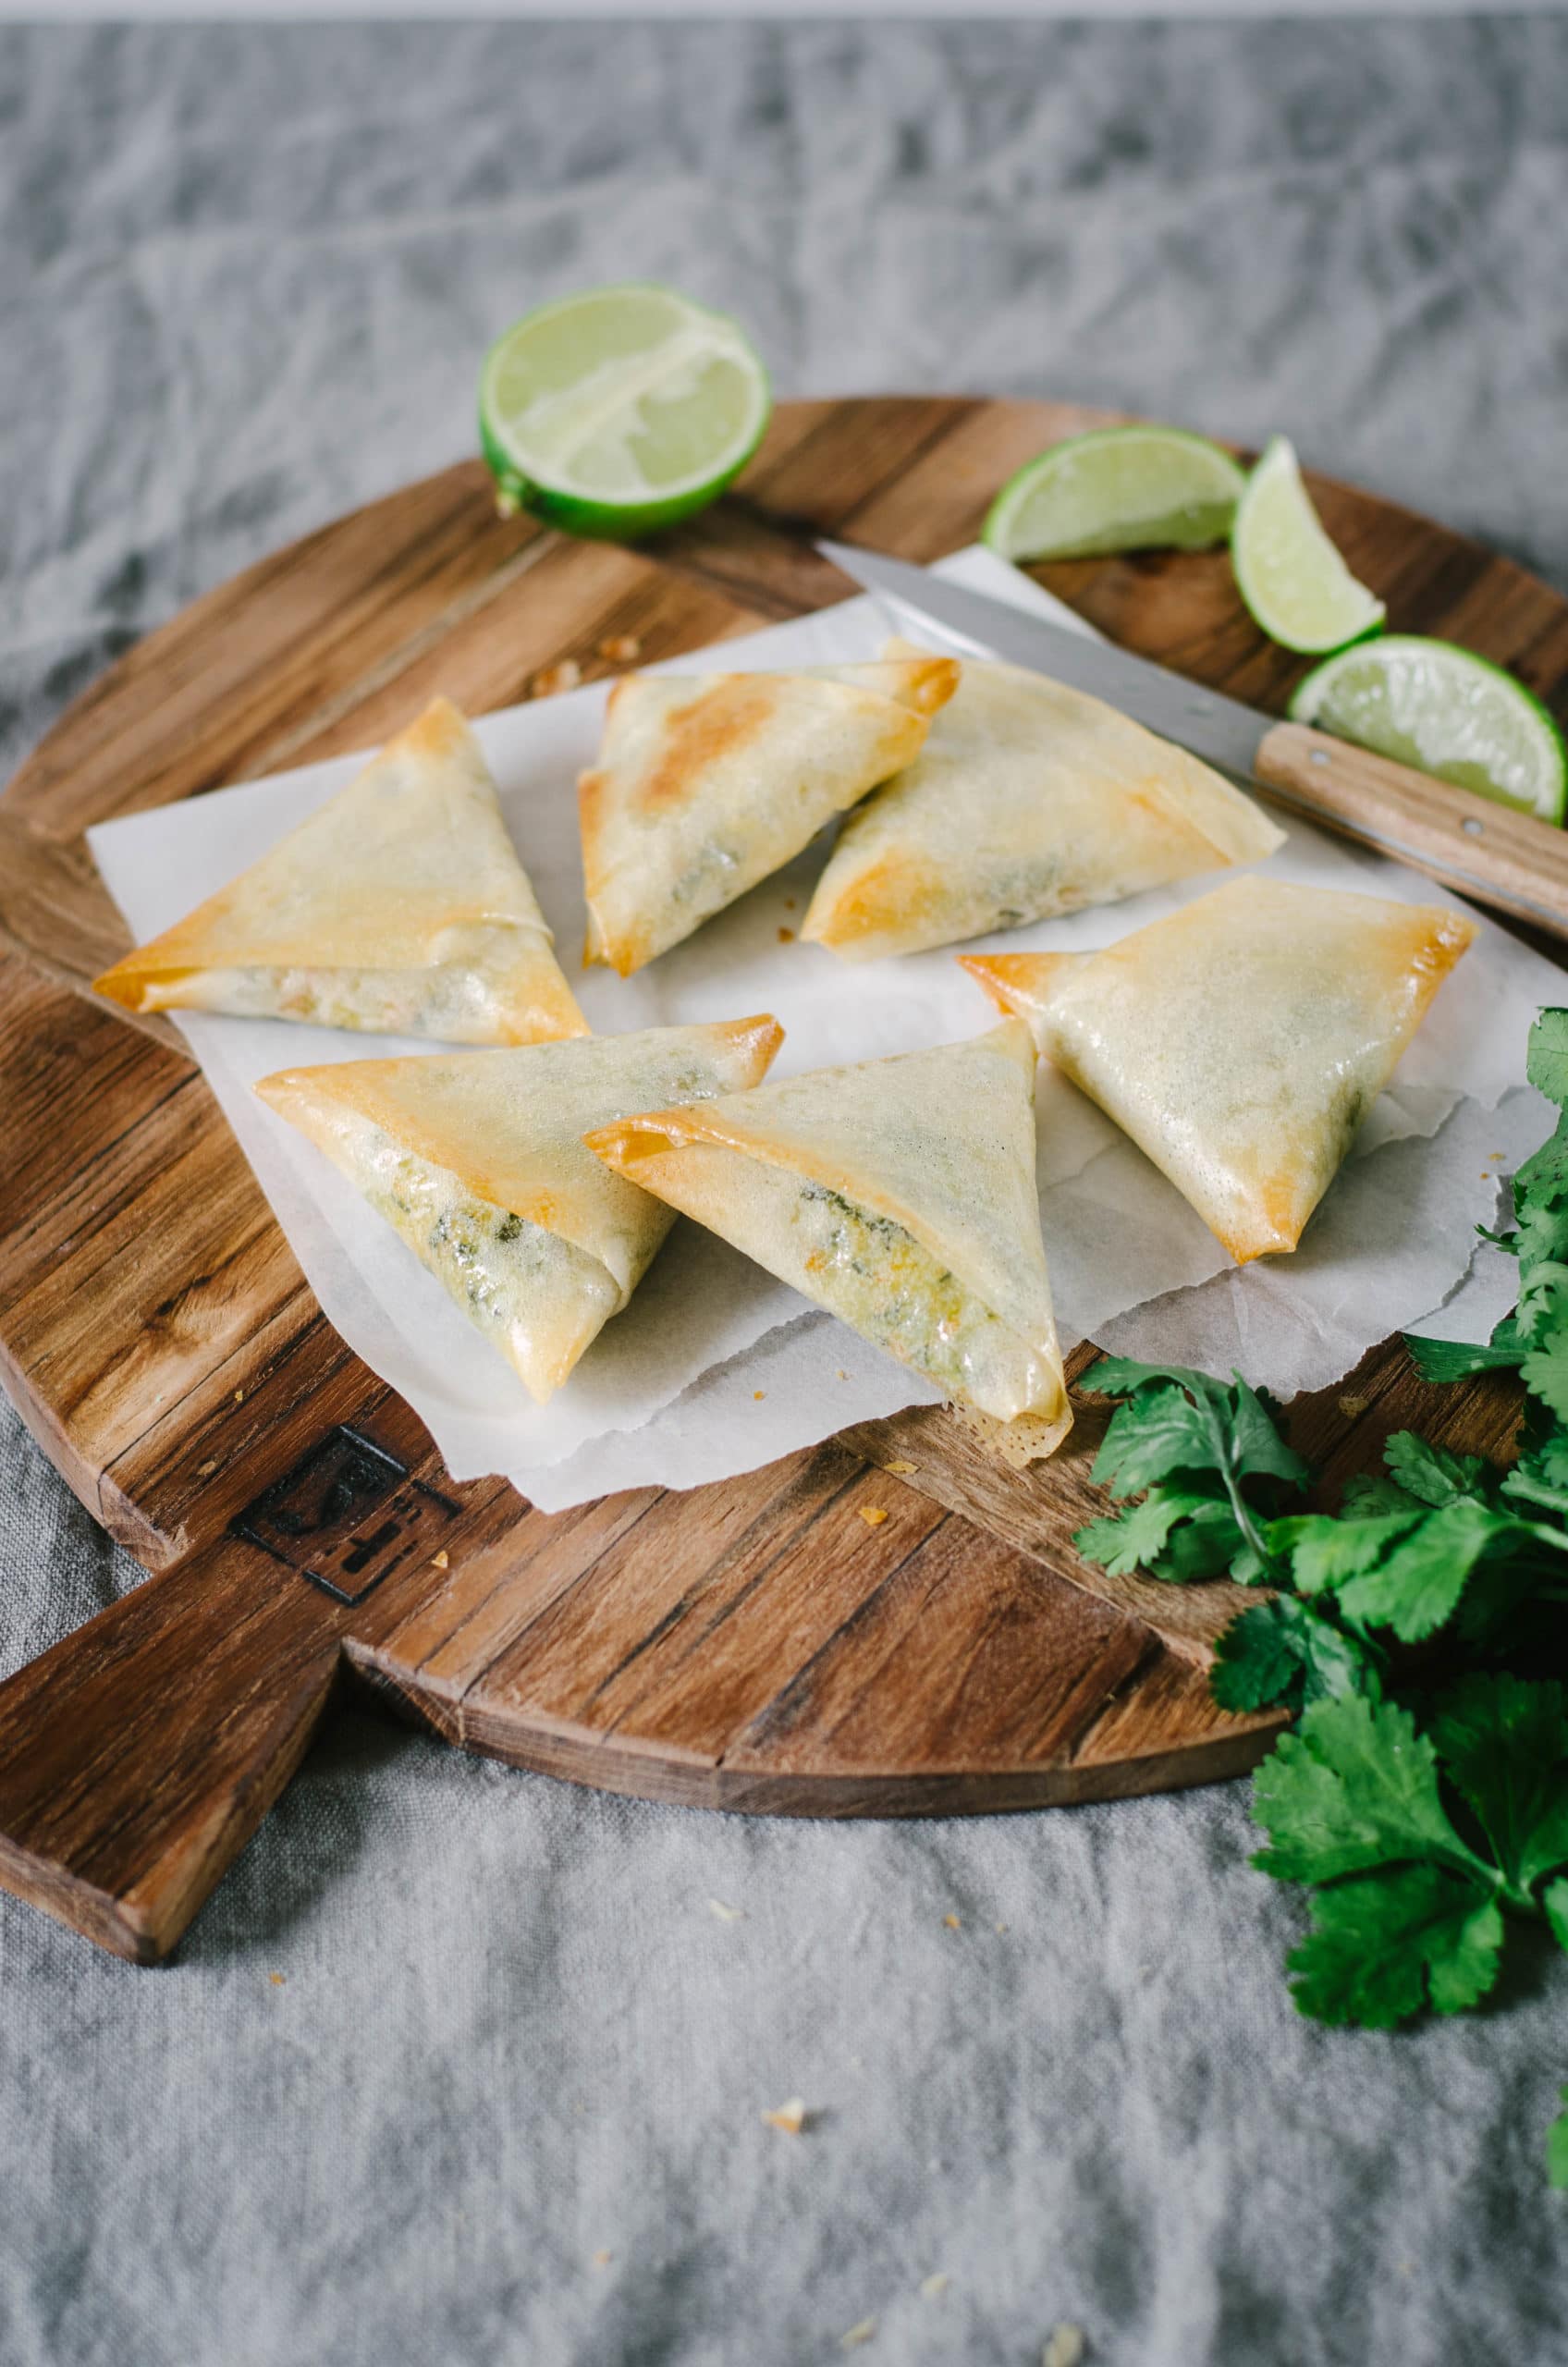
x,y
1211,1545
1152,1436
1176,1426
1386,1944
1411,1914
1177,1534
1542,1310
1177,1421
1504,1743
1258,1450
1257,1659
1130,1541
1541,1476
1546,1056
1540,1232
1418,1584
1355,1787
1325,1553
1335,1661
1124,1377
1369,1495
1545,1373
1280,1652
1431,1472
1542,1178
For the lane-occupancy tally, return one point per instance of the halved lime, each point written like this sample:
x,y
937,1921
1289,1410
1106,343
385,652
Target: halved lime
x,y
1117,489
1290,574
1447,712
622,409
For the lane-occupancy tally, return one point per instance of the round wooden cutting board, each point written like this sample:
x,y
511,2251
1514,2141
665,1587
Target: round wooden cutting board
x,y
753,1645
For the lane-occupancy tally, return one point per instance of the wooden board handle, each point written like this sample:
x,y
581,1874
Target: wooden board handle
x,y
140,1754
1481,850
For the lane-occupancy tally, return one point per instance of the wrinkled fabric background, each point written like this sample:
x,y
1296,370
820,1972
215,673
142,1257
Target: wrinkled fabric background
x,y
245,277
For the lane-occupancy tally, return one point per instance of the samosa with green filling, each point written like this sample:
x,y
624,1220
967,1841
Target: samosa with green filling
x,y
898,1193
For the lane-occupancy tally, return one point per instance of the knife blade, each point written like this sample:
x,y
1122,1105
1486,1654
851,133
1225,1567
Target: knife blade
x,y
1490,852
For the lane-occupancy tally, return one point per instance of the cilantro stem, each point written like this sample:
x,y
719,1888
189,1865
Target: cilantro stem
x,y
1267,1562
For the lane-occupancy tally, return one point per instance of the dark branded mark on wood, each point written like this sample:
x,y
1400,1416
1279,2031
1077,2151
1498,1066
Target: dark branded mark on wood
x,y
346,1516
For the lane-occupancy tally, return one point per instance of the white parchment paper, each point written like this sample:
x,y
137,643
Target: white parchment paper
x,y
715,1368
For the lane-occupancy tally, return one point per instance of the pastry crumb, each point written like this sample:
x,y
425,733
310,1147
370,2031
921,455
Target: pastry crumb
x,y
1000,1928
873,1514
1353,1408
758,1393
952,1922
239,1397
1064,2347
900,1470
932,2287
442,1561
621,649
786,936
724,1914
857,2334
279,1979
601,2258
842,1374
564,677
791,2117
205,1470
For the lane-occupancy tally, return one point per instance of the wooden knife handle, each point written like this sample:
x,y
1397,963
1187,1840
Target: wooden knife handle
x,y
1487,851
140,1755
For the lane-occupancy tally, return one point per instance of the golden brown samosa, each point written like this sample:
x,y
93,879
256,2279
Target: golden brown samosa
x,y
1241,1040
706,784
398,908
1027,800
900,1195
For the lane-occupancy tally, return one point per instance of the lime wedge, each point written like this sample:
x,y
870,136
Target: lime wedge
x,y
618,410
1292,578
1445,711
1117,489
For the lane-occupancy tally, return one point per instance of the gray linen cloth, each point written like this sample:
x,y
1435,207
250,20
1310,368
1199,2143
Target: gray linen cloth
x,y
503,2105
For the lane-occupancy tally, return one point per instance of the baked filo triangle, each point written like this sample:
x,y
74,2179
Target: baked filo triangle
x,y
1241,1040
706,784
398,908
900,1195
1027,800
477,1161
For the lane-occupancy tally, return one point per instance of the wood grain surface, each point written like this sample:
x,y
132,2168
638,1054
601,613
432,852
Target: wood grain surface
x,y
754,1644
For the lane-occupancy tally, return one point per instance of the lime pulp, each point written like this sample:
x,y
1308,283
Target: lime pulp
x,y
1288,571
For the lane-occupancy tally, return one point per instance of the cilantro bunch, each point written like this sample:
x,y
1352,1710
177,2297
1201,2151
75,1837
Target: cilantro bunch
x,y
1419,1631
